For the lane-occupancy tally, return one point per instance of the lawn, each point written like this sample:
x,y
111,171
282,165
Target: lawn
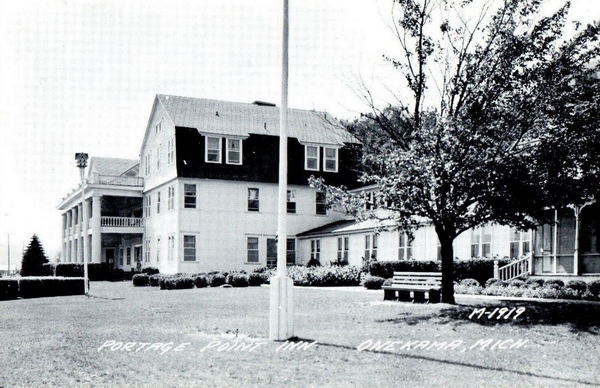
x,y
57,341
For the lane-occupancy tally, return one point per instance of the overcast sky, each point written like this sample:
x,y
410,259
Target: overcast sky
x,y
81,76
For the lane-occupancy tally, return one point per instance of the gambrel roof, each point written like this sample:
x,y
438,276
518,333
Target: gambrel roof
x,y
242,119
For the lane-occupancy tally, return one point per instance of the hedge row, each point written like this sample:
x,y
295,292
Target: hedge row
x,y
479,269
36,287
532,288
98,271
201,280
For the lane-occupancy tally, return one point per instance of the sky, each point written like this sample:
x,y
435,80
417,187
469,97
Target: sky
x,y
80,76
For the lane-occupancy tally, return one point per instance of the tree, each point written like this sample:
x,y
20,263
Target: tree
x,y
33,258
473,142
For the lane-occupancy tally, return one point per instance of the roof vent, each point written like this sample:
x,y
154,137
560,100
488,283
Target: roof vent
x,y
263,103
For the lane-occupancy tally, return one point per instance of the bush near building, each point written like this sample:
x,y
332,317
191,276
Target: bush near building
x,y
141,280
480,269
36,287
373,282
549,289
176,283
9,289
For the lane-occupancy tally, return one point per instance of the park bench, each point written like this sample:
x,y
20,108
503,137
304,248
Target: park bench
x,y
420,284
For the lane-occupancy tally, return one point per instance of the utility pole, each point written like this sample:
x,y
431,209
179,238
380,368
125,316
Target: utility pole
x,y
281,303
8,247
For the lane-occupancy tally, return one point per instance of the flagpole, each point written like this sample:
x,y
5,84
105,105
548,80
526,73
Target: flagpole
x,y
280,317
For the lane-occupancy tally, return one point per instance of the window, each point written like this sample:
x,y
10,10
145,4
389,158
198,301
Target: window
x,y
404,247
158,202
291,201
148,204
128,250
189,248
158,158
158,127
121,256
291,251
212,150
520,243
369,200
320,201
147,251
170,247
189,196
342,251
315,250
371,246
311,158
234,151
170,197
252,249
170,150
147,162
481,242
253,201
158,249
331,159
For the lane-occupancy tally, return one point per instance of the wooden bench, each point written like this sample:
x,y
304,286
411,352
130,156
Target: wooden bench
x,y
417,283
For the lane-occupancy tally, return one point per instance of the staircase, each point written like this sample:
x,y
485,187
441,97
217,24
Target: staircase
x,y
515,269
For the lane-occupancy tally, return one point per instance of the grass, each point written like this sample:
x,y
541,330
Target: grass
x,y
55,341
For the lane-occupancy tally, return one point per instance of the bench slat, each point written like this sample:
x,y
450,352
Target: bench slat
x,y
418,274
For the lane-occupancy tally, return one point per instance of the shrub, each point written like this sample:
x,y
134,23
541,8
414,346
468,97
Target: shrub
x,y
325,276
373,282
554,283
255,279
468,282
69,270
239,280
176,283
577,285
217,280
538,281
313,263
35,287
154,280
47,269
9,289
594,288
516,283
99,271
141,280
150,271
201,281
468,288
493,281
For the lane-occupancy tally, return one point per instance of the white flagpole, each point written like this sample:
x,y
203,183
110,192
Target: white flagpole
x,y
280,319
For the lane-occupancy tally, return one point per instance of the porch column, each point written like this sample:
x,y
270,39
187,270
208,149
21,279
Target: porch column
x,y
96,230
84,231
68,235
63,248
73,237
78,231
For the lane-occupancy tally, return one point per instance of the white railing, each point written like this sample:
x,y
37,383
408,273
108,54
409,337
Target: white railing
x,y
127,222
515,269
117,180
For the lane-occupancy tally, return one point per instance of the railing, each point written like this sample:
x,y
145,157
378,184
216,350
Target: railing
x,y
117,180
514,269
130,222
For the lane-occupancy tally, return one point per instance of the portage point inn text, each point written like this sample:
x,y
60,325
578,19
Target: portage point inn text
x,y
203,197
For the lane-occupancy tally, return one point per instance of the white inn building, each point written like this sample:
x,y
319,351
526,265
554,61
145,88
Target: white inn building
x,y
204,197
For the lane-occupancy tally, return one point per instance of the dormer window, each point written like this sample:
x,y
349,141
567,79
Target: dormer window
x,y
331,159
311,158
212,152
234,151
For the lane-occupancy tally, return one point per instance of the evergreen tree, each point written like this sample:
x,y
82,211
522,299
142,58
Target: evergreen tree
x,y
33,258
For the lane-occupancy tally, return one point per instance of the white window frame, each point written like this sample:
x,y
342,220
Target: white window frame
x,y
524,237
183,247
195,196
343,248
371,245
206,137
158,202
257,199
158,157
227,150
291,198
170,150
147,251
324,203
170,247
325,159
158,127
148,164
171,197
158,249
248,250
315,249
405,251
148,205
478,232
306,146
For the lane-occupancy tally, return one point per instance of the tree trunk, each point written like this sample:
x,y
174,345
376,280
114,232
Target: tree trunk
x,y
447,269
